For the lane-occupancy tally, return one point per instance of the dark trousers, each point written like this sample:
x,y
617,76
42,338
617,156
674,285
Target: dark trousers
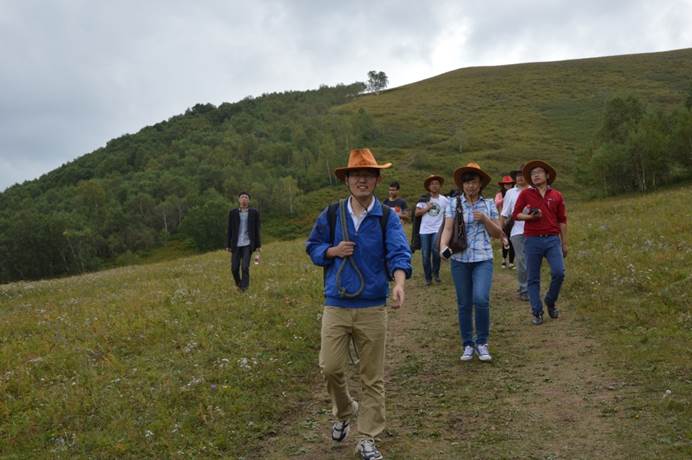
x,y
509,251
430,256
536,248
241,257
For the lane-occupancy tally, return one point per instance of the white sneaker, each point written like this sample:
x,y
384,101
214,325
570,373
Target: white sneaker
x,y
483,353
468,353
341,428
366,450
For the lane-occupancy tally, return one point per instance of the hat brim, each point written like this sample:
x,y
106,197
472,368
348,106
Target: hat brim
x,y
485,178
340,173
427,181
526,172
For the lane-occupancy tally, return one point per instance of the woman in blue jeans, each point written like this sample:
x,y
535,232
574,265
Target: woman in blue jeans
x,y
472,269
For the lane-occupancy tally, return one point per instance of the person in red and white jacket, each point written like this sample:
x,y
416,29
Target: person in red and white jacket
x,y
542,208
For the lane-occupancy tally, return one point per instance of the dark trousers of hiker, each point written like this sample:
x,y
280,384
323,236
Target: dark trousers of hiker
x,y
241,258
430,256
536,248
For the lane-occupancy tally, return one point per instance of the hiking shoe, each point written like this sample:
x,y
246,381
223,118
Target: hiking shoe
x,y
553,312
483,353
468,353
537,320
504,264
428,283
341,428
512,266
524,296
437,279
367,451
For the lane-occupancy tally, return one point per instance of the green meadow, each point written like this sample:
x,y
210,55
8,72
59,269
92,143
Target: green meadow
x,y
168,360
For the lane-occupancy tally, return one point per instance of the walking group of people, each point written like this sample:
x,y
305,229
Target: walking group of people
x,y
361,244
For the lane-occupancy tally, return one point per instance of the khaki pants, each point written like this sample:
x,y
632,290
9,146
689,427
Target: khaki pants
x,y
369,329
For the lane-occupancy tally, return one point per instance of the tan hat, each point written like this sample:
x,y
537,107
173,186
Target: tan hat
x,y
431,178
471,167
359,159
539,164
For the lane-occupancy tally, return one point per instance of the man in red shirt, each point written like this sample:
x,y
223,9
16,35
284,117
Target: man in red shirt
x,y
545,232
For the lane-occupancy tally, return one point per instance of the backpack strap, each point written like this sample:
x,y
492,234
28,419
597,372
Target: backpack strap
x,y
331,220
386,210
383,224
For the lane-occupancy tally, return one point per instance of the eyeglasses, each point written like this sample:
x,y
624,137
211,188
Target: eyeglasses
x,y
363,175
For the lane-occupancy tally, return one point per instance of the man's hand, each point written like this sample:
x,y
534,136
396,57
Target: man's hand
x,y
398,289
343,249
564,249
397,296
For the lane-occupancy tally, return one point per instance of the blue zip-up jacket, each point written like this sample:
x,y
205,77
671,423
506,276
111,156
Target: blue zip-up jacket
x,y
369,256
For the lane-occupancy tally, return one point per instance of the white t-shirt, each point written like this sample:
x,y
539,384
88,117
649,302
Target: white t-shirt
x,y
431,221
508,208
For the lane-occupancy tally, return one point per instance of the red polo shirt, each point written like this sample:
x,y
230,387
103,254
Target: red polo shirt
x,y
552,206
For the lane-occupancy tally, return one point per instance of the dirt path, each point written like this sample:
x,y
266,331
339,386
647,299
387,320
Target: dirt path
x,y
545,395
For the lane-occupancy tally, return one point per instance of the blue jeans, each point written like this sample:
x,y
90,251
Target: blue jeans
x,y
427,252
535,248
472,282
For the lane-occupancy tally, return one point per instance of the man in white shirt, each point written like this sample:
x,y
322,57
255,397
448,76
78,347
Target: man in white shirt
x,y
431,214
517,233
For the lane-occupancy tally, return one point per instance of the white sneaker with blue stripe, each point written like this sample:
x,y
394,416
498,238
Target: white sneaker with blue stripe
x,y
367,451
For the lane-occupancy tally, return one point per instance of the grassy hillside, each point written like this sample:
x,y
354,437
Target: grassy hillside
x,y
504,115
167,360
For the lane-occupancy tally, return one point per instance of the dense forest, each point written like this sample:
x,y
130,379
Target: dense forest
x,y
176,179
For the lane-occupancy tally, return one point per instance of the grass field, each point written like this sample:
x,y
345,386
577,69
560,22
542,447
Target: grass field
x,y
168,360
156,359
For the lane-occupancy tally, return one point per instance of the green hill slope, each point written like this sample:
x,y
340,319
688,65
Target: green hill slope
x,y
502,116
177,179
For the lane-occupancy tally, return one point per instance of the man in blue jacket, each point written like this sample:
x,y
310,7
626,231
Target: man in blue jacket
x,y
362,247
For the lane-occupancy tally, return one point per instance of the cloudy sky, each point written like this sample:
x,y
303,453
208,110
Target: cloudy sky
x,y
76,73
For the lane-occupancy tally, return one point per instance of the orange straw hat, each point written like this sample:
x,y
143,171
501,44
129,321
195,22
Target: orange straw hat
x,y
471,167
431,178
359,159
526,170
506,180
